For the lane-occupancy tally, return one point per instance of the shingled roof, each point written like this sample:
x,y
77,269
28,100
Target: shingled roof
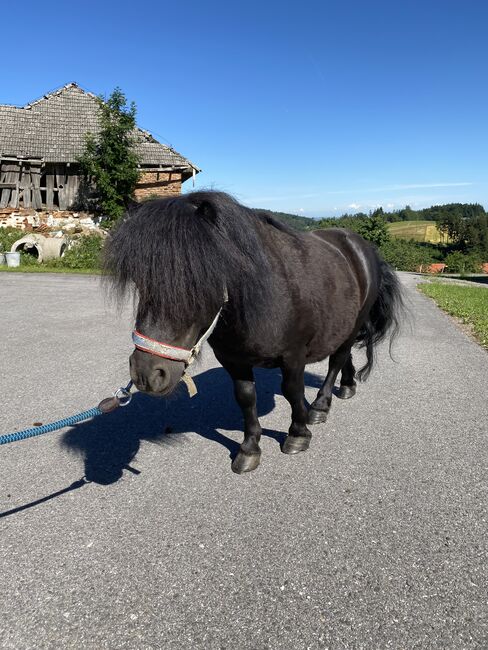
x,y
53,129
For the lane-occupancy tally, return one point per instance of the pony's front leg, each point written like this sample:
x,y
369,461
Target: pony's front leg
x,y
298,438
249,454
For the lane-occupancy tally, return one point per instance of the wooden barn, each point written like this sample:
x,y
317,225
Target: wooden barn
x,y
41,142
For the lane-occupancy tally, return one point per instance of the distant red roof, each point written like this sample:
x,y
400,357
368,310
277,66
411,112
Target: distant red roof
x,y
436,268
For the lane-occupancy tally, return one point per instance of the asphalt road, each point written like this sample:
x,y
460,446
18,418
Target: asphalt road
x,y
374,538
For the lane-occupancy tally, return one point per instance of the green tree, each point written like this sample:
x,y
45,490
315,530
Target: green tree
x,y
476,235
109,159
452,225
374,228
407,214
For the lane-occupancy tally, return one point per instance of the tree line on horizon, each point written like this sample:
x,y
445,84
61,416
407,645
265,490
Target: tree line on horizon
x,y
436,213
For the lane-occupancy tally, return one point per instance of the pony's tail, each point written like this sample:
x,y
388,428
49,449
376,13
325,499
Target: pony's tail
x,y
383,318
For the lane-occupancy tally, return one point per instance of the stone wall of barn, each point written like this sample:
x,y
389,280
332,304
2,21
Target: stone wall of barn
x,y
154,184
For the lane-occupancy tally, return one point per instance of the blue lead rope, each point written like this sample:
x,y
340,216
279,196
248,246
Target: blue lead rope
x,y
47,428
121,397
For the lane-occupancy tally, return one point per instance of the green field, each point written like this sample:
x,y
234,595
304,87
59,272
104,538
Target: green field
x,y
422,231
469,304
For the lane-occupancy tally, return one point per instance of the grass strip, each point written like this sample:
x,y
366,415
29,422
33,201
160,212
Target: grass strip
x,y
48,269
469,304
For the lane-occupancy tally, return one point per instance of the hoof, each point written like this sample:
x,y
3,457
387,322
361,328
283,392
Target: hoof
x,y
346,392
295,444
245,462
315,416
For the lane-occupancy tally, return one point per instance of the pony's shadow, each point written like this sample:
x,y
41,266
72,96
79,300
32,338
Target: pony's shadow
x,y
109,443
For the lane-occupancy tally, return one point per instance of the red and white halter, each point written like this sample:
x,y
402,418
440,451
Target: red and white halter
x,y
173,352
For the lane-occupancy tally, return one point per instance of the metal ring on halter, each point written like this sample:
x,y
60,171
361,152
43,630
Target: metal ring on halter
x,y
124,395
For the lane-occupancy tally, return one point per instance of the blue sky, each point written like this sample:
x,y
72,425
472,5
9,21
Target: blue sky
x,y
314,108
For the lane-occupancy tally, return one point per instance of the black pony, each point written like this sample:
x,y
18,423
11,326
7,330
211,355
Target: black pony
x,y
276,297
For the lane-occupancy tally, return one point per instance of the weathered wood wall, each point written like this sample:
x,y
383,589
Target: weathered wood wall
x,y
30,184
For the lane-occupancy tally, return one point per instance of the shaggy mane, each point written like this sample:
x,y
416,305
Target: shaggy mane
x,y
181,253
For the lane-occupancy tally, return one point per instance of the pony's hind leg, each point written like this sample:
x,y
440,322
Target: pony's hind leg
x,y
249,454
298,438
320,407
347,388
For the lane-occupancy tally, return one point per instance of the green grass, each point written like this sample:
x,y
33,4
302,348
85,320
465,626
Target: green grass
x,y
422,231
469,304
44,268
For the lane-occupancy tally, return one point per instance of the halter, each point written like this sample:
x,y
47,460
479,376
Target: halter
x,y
173,352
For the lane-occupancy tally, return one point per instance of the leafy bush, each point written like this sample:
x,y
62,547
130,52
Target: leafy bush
x,y
408,255
26,259
7,237
458,262
85,253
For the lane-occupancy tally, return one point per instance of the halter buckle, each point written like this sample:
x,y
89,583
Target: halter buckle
x,y
124,395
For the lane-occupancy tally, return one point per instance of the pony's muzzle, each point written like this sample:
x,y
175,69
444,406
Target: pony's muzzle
x,y
152,374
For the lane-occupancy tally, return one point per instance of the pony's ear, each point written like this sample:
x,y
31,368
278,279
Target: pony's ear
x,y
207,211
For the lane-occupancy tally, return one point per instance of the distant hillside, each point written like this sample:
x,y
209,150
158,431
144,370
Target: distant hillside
x,y
422,231
293,220
403,224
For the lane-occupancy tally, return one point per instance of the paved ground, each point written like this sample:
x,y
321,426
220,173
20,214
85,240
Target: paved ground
x,y
375,538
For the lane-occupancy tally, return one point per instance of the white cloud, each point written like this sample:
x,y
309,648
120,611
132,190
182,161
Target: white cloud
x,y
390,205
354,206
